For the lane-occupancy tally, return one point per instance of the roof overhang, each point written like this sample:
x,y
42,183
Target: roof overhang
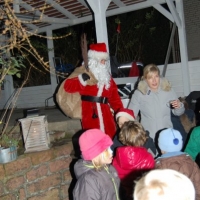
x,y
56,14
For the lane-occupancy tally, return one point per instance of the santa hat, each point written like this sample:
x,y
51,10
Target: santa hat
x,y
98,52
170,140
125,112
93,142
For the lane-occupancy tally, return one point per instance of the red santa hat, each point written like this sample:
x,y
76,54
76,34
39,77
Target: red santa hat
x,y
98,52
93,142
125,112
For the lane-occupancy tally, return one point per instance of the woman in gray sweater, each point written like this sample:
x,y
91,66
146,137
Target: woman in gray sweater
x,y
155,99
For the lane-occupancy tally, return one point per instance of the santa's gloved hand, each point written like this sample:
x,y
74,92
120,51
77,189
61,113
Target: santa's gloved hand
x,y
85,76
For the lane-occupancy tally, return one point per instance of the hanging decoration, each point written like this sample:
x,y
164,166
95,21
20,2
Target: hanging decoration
x,y
119,28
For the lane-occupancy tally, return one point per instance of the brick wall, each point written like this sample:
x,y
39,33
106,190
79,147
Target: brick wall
x,y
192,24
42,175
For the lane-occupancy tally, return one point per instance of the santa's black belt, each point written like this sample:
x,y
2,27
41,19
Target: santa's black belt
x,y
94,99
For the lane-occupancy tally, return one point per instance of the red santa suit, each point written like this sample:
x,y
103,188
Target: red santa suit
x,y
95,114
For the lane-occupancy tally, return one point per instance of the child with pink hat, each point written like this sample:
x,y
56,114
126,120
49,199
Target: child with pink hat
x,y
96,178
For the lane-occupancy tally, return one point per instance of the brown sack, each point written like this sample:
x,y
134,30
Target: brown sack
x,y
70,103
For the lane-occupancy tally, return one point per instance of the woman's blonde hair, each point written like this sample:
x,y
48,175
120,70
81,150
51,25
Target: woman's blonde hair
x,y
132,134
151,68
164,184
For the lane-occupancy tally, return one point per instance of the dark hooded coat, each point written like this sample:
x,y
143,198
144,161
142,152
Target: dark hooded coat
x,y
93,184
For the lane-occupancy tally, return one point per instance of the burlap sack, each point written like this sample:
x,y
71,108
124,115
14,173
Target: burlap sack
x,y
70,103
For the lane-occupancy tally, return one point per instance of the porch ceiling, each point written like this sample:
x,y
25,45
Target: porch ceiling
x,y
62,13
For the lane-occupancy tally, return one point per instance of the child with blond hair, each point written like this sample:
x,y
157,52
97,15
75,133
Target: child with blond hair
x,y
97,179
164,184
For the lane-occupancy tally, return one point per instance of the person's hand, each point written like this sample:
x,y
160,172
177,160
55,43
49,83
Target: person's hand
x,y
92,80
85,76
175,104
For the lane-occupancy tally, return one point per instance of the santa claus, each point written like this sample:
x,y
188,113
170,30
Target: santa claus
x,y
98,91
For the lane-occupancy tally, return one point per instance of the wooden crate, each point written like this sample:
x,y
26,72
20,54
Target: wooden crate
x,y
35,133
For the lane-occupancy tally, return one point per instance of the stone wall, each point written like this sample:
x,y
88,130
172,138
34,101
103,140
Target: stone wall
x,y
43,175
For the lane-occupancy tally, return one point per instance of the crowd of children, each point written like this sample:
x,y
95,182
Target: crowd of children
x,y
133,172
136,164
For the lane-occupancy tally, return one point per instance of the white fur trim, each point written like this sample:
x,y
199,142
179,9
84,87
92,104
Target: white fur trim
x,y
125,114
98,55
102,128
80,78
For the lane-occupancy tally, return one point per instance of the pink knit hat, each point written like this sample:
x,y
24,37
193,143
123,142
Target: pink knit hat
x,y
93,142
125,112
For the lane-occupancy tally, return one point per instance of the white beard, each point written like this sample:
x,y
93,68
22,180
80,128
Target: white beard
x,y
101,72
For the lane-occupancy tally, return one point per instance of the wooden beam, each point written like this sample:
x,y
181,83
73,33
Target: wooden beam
x,y
118,3
164,12
174,12
83,3
61,9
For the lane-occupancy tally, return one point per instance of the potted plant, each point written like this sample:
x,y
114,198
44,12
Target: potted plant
x,y
8,148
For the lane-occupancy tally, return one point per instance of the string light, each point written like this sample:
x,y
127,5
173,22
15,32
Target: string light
x,y
19,37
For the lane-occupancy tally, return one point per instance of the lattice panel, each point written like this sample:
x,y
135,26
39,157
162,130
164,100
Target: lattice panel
x,y
35,133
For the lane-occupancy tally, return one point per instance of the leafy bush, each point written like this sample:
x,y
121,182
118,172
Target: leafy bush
x,y
6,141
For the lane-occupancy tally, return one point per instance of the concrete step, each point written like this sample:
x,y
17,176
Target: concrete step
x,y
57,121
